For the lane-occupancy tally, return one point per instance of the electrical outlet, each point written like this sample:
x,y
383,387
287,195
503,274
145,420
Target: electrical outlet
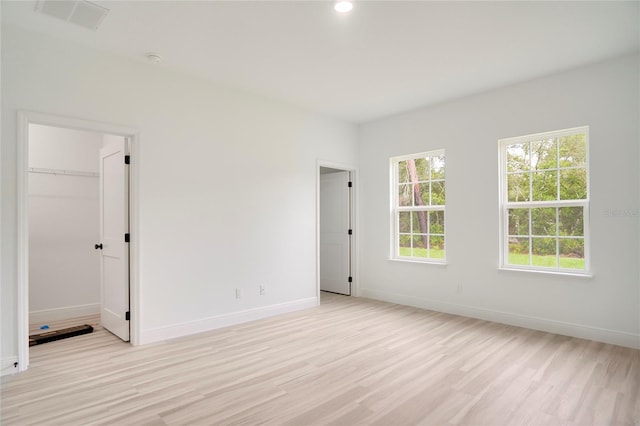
x,y
238,293
262,289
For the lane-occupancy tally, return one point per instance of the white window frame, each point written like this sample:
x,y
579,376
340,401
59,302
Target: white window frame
x,y
396,209
505,205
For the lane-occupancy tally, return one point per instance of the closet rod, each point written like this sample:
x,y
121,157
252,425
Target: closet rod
x,y
63,172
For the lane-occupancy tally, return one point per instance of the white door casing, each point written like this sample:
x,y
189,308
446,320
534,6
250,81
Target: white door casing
x,y
25,118
114,224
335,241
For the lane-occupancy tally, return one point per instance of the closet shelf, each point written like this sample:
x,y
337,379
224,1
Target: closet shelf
x,y
63,172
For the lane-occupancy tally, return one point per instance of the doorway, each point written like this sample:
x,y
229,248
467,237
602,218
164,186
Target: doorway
x,y
336,230
74,188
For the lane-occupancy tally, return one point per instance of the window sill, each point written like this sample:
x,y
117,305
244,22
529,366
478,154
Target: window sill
x,y
547,272
424,262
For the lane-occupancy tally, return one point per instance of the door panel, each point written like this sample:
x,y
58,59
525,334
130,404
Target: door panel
x,y
335,250
114,224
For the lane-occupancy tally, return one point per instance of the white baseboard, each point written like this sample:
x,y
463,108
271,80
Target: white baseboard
x,y
9,365
614,337
44,316
224,320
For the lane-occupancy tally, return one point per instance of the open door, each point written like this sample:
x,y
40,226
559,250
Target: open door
x,y
114,237
335,232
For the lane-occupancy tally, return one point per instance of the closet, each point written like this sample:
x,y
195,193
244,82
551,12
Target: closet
x,y
64,223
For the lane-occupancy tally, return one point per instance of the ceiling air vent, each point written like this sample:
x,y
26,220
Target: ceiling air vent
x,y
80,12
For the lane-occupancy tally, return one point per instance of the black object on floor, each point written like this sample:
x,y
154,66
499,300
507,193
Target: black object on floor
x,y
50,336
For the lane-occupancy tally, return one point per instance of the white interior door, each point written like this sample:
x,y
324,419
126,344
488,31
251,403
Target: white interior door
x,y
335,241
114,224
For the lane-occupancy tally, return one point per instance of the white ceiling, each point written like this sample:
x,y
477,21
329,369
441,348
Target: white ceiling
x,y
383,58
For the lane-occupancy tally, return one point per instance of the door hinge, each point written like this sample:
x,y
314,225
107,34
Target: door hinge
x,y
350,184
350,279
127,159
127,316
350,231
127,238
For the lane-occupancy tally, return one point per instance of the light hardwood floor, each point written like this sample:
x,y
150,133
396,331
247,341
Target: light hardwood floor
x,y
348,362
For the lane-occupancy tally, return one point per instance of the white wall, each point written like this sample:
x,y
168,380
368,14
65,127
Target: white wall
x,y
604,307
227,182
64,268
64,149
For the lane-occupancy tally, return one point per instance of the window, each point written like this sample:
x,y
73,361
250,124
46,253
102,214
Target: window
x,y
545,201
418,207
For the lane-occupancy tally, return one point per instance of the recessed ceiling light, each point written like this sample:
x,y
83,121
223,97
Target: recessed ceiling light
x,y
343,6
154,58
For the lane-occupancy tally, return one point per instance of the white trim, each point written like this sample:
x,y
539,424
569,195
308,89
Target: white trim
x,y
76,123
504,204
24,119
133,145
47,315
543,204
7,365
418,260
22,243
395,208
546,270
432,153
225,320
354,222
580,331
544,135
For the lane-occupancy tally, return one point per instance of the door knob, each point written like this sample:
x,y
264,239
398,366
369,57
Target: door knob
x,y
98,246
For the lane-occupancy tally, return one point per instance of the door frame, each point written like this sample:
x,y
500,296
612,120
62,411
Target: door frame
x,y
355,288
22,167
